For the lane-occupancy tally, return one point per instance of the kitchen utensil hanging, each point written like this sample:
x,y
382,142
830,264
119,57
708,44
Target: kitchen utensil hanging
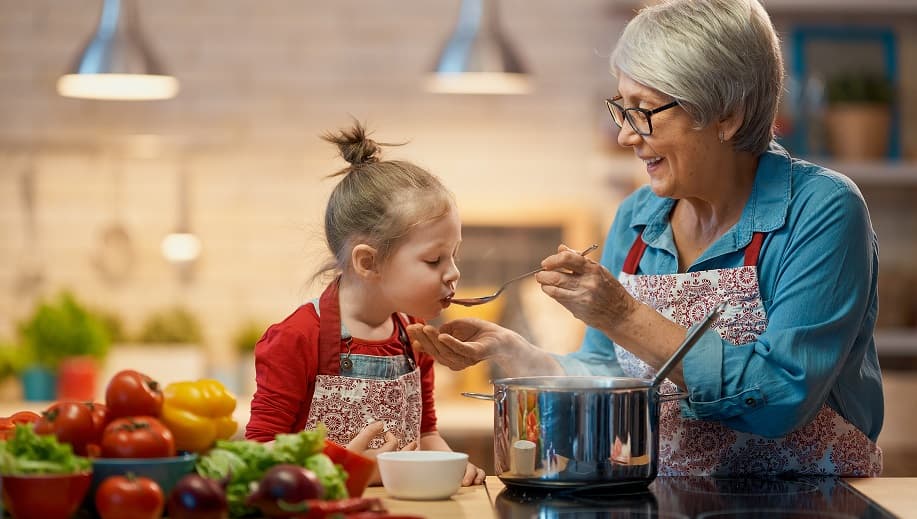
x,y
113,257
30,276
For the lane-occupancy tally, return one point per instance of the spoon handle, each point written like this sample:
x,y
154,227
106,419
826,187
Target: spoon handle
x,y
687,343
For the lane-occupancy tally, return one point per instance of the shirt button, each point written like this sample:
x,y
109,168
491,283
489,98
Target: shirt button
x,y
750,402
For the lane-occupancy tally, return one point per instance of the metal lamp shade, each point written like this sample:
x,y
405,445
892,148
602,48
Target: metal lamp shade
x,y
478,58
117,63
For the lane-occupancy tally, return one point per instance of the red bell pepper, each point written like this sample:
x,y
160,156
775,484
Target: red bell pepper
x,y
8,423
359,468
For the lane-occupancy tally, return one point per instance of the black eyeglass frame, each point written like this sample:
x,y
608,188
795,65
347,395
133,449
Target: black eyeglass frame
x,y
611,104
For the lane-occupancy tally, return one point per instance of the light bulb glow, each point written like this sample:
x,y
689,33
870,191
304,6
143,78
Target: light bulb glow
x,y
181,247
479,83
124,87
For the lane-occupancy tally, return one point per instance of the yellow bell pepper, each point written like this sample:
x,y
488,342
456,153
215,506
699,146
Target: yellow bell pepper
x,y
198,413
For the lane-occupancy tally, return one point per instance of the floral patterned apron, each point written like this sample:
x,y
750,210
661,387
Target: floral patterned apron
x,y
829,444
352,391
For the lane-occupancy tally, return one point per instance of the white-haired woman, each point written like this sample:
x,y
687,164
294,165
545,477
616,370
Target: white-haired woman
x,y
787,380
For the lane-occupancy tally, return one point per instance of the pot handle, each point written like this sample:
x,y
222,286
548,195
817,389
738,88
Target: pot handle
x,y
478,396
668,397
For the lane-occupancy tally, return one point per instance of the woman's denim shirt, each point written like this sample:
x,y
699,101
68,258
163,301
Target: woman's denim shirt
x,y
817,274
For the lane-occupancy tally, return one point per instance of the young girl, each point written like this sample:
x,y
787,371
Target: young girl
x,y
344,359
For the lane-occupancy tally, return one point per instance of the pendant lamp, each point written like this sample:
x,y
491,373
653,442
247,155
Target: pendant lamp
x,y
478,58
117,63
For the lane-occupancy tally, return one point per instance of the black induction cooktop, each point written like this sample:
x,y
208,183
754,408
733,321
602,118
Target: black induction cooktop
x,y
697,498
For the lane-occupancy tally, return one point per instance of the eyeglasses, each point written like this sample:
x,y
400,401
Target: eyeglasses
x,y
638,118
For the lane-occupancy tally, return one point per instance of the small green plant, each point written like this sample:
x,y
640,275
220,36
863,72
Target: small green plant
x,y
247,335
171,325
859,88
63,328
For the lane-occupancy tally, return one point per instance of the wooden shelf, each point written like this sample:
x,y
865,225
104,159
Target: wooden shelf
x,y
875,173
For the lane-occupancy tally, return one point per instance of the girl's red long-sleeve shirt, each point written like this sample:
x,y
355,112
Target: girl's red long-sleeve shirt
x,y
286,366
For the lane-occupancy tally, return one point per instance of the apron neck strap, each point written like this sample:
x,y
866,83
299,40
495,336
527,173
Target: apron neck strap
x,y
753,250
329,333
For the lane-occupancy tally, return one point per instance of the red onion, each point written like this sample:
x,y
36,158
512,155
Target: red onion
x,y
197,497
284,488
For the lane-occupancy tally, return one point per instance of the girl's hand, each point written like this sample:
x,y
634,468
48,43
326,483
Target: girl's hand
x,y
360,444
473,476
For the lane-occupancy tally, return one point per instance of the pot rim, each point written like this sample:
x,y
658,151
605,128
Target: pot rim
x,y
577,383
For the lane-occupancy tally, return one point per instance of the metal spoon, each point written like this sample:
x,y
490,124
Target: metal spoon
x,y
474,301
687,343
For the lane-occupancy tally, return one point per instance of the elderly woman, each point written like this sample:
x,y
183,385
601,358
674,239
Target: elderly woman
x,y
788,377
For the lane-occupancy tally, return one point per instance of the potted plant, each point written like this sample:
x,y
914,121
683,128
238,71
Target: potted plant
x,y
62,337
858,116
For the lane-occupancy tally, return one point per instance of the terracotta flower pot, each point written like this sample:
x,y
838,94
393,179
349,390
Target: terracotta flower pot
x,y
77,378
858,131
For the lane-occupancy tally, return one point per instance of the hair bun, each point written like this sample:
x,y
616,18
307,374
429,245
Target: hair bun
x,y
354,145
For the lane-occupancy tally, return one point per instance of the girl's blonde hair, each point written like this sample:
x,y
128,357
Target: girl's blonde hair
x,y
376,202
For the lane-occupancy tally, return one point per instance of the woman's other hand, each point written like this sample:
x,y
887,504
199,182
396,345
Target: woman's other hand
x,y
586,288
360,444
465,342
460,343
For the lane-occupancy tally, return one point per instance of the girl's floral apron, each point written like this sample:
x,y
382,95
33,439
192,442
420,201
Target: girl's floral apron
x,y
829,444
352,391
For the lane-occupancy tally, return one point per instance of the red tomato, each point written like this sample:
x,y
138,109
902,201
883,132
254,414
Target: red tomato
x,y
70,422
99,421
137,437
8,423
131,393
129,497
99,416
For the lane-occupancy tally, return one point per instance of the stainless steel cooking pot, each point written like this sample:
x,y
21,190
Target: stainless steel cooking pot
x,y
571,431
565,431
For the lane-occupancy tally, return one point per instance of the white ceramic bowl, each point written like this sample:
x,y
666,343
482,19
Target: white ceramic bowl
x,y
422,474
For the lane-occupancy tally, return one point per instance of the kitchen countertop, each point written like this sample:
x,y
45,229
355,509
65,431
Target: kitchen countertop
x,y
896,495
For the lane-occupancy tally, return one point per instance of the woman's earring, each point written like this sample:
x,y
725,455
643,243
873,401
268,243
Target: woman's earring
x,y
722,137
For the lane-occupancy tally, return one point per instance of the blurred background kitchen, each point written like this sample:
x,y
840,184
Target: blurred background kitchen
x,y
166,234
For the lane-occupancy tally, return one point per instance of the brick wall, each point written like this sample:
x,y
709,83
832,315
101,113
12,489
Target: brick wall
x,y
259,82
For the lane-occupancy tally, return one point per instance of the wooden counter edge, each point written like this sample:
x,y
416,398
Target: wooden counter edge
x,y
897,495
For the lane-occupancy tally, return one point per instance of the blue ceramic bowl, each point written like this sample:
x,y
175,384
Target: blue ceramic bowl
x,y
164,471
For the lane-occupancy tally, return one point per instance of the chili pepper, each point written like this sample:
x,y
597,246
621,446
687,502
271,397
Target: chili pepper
x,y
198,413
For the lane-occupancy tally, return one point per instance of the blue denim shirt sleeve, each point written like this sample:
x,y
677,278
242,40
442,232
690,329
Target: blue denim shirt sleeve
x,y
817,274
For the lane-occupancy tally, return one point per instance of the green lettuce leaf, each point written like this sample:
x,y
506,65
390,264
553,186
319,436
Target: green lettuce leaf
x,y
29,453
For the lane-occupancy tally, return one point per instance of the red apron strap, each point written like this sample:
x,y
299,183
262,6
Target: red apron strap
x,y
329,332
753,250
633,257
